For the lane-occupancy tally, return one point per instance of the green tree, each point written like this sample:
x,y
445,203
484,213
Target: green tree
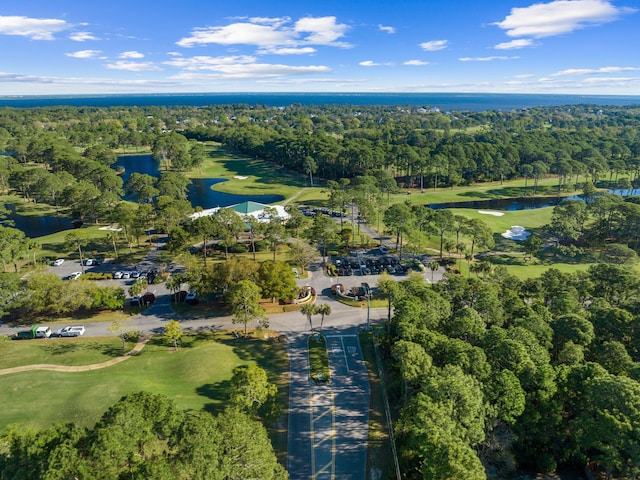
x,y
443,221
277,281
119,326
309,310
13,245
250,389
77,239
142,186
323,310
173,331
244,299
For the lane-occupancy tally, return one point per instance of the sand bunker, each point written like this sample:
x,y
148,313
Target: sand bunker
x,y
516,233
111,228
240,177
489,212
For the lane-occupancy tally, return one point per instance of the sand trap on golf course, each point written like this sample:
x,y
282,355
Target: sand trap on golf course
x,y
490,212
517,233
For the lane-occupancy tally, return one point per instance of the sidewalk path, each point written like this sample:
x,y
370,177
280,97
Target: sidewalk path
x,y
79,368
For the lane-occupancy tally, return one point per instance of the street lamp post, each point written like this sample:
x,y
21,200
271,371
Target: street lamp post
x,y
367,294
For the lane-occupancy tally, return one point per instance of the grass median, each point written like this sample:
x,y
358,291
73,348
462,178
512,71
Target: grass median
x,y
318,359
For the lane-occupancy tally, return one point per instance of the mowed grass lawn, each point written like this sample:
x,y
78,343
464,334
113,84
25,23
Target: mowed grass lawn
x,y
196,376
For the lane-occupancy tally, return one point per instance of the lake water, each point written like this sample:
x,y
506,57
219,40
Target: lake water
x,y
506,204
36,226
522,203
200,195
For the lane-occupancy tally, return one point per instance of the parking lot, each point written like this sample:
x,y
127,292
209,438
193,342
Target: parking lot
x,y
121,275
374,262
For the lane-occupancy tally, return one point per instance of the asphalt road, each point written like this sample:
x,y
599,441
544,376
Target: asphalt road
x,y
328,425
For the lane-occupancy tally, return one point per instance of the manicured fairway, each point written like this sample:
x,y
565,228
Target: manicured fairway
x,y
195,377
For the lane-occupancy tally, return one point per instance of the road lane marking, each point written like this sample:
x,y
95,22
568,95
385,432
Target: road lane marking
x,y
313,453
346,360
332,435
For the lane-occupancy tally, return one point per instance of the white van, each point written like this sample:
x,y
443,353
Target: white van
x,y
43,332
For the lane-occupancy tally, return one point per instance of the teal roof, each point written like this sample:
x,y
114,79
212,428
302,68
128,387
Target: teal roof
x,y
245,208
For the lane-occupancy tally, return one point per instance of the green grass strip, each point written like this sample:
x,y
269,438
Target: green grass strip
x,y
318,359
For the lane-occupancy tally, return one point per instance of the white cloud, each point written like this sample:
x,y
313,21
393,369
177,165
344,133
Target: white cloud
x,y
84,54
275,21
82,36
369,63
559,17
486,59
268,33
174,54
287,51
209,63
238,33
415,63
434,45
611,80
322,30
514,44
384,28
253,71
589,71
131,54
133,66
34,28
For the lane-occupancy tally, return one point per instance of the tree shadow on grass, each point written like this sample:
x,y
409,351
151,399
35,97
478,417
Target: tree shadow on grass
x,y
63,347
506,260
217,392
265,173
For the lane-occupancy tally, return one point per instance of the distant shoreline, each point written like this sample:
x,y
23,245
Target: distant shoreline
x,y
433,101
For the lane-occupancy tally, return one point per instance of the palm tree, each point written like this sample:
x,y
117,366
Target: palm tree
x,y
174,283
324,309
434,266
309,310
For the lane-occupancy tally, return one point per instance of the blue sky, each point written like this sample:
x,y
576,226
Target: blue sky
x,y
142,46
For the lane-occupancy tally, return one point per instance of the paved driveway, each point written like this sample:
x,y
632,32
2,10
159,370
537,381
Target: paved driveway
x,y
328,425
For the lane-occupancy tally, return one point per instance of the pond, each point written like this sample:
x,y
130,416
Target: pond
x,y
36,226
200,195
521,203
506,204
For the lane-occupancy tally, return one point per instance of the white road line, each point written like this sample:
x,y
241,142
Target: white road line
x,y
346,360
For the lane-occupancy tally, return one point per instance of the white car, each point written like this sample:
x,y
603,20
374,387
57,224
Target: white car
x,y
75,275
126,274
89,261
117,275
58,262
71,331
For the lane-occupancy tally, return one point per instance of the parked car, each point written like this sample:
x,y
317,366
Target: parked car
x,y
71,331
43,332
58,262
191,298
75,276
126,275
383,249
89,262
117,275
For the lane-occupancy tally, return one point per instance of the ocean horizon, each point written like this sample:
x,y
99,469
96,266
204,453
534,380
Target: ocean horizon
x,y
441,101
